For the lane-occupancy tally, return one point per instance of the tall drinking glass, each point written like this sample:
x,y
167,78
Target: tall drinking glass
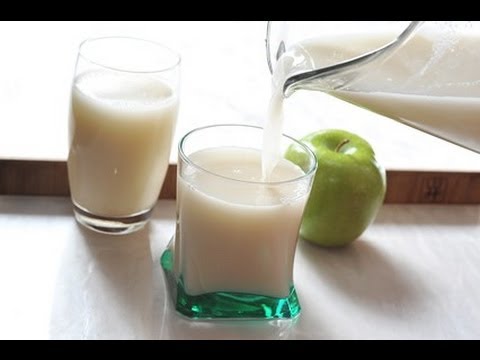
x,y
123,113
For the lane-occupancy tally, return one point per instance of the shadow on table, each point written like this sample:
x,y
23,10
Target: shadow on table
x,y
178,327
105,288
367,275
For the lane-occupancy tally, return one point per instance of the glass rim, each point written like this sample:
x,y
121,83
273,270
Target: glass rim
x,y
187,159
87,41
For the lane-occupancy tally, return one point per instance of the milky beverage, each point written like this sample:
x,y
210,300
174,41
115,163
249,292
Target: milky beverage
x,y
240,236
431,85
121,133
242,239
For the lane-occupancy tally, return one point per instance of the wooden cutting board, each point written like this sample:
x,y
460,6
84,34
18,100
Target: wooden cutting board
x,y
49,178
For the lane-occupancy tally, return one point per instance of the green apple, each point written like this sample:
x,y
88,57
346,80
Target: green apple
x,y
347,191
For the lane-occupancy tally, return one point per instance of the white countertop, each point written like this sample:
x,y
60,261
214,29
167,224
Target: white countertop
x,y
413,274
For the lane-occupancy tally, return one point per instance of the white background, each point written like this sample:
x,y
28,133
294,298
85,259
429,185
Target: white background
x,y
225,79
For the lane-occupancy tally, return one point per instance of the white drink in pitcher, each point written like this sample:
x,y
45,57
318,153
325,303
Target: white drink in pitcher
x,y
430,82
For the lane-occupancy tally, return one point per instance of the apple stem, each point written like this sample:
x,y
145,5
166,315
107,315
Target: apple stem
x,y
339,146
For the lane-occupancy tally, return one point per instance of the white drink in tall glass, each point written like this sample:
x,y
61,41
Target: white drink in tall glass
x,y
123,110
121,134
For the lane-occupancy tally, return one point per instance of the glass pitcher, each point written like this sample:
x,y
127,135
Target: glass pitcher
x,y
423,74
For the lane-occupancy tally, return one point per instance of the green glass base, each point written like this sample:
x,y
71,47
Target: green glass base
x,y
227,305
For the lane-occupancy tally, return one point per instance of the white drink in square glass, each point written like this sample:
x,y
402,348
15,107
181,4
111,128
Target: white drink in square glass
x,y
236,231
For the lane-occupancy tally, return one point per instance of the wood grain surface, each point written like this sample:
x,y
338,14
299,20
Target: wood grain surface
x,y
49,178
